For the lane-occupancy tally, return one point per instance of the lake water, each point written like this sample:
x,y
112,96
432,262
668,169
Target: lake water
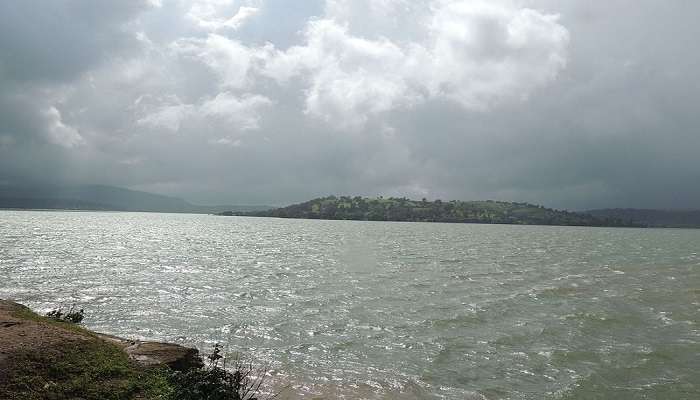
x,y
375,310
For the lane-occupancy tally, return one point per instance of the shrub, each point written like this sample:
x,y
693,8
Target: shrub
x,y
72,316
217,382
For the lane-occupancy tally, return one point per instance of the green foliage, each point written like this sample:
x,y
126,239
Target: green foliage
x,y
28,314
88,369
78,364
72,316
403,209
217,382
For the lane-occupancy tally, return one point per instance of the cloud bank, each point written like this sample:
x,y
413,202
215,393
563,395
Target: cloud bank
x,y
568,104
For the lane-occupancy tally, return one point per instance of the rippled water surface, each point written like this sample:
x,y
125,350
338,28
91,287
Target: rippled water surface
x,y
343,309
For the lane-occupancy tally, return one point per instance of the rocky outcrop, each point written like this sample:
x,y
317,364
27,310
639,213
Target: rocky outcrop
x,y
178,358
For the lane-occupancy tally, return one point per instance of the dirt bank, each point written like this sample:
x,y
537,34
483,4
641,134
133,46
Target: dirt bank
x,y
45,359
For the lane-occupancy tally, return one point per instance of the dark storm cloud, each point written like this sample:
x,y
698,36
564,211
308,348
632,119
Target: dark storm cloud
x,y
56,40
44,48
229,102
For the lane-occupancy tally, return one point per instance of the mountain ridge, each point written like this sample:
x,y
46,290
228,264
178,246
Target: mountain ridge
x,y
102,198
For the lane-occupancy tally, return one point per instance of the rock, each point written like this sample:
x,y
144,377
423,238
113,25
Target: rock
x,y
178,358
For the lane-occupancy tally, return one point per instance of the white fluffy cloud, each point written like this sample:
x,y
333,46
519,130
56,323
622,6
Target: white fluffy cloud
x,y
475,53
349,78
242,113
167,116
58,131
228,59
448,98
214,15
484,52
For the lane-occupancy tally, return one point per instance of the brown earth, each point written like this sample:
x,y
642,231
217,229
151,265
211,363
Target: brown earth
x,y
46,359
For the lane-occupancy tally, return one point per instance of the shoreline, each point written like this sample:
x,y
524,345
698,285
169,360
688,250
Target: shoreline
x,y
44,358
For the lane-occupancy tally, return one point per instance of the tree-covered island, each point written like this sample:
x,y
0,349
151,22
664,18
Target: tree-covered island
x,y
403,209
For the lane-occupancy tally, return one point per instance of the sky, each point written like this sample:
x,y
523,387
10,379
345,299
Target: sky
x,y
570,104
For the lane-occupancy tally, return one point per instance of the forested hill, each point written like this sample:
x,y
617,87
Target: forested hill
x,y
402,209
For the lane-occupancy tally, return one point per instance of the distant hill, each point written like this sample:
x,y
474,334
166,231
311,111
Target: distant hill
x,y
655,218
402,209
102,198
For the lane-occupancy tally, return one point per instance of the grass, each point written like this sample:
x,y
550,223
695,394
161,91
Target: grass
x,y
88,370
63,360
27,314
80,366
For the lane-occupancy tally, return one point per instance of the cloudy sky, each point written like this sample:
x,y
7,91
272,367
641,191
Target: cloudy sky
x,y
571,104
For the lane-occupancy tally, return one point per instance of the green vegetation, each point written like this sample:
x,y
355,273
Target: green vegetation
x,y
217,382
71,316
403,209
73,363
26,313
54,358
89,369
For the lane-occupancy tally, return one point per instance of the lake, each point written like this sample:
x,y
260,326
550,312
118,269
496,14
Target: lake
x,y
382,310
